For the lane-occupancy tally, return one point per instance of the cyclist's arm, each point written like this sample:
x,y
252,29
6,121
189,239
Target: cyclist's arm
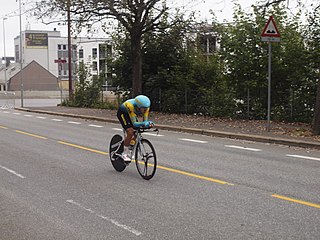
x,y
146,115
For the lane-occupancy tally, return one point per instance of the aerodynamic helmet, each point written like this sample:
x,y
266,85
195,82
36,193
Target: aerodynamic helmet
x,y
142,101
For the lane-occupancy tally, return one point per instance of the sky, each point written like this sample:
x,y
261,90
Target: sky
x,y
10,28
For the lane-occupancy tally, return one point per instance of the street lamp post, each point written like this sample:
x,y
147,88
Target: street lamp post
x,y
4,56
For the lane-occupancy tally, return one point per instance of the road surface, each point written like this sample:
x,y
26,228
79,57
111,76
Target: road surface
x,y
57,183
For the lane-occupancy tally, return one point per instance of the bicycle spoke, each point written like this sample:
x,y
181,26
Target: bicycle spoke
x,y
146,159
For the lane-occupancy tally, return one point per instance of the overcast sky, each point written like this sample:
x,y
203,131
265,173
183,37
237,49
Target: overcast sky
x,y
223,9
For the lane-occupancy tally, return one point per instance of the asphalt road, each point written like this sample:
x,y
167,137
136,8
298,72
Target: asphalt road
x,y
57,183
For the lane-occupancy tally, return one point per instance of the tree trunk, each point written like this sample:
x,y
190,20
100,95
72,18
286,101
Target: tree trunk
x,y
137,64
316,117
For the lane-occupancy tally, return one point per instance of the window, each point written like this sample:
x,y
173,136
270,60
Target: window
x,y
94,52
17,55
109,51
81,53
208,43
63,54
94,66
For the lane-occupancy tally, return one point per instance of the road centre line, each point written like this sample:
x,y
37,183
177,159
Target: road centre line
x,y
243,148
41,117
83,148
125,227
12,172
117,129
194,175
158,166
30,134
3,127
28,115
296,201
192,140
304,157
17,113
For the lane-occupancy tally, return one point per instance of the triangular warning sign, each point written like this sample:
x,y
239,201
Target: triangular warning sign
x,y
270,30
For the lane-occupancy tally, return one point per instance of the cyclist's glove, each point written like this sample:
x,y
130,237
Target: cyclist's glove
x,y
148,124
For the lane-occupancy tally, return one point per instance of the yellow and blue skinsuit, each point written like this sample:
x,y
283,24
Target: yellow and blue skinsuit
x,y
131,107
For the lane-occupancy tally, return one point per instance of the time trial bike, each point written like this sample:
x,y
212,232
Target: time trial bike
x,y
141,151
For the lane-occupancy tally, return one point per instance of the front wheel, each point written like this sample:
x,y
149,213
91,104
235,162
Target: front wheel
x,y
146,160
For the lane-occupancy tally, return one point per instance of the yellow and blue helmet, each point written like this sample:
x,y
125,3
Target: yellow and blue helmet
x,y
142,101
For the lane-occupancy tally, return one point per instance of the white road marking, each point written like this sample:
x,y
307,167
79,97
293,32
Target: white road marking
x,y
192,140
117,129
43,118
27,115
17,113
304,157
97,126
243,148
153,134
125,227
13,172
71,122
56,120
6,112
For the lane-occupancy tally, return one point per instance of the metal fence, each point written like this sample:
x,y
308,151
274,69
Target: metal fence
x,y
7,100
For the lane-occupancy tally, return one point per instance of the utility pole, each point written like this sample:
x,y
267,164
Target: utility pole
x,y
69,53
5,58
21,80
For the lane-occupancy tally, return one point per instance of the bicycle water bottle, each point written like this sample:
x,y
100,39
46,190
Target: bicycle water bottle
x,y
132,143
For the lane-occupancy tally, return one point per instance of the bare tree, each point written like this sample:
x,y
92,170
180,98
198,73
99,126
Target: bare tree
x,y
136,16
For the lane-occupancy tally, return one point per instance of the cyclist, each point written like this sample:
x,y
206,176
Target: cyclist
x,y
127,115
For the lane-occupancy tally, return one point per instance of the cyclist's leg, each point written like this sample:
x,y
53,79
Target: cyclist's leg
x,y
127,125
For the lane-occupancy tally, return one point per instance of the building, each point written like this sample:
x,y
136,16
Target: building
x,y
204,37
50,50
35,78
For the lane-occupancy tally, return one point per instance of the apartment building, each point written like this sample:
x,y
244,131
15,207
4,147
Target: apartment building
x,y
50,50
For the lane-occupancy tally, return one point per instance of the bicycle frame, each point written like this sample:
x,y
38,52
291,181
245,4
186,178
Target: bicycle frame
x,y
138,137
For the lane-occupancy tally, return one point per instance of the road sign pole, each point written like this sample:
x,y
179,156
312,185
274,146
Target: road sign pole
x,y
269,86
270,34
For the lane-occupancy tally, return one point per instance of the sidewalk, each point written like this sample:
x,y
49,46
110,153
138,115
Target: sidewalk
x,y
296,135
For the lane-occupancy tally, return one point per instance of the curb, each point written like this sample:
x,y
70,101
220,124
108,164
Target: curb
x,y
256,138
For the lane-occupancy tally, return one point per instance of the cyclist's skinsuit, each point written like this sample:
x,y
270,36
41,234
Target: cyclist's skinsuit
x,y
128,112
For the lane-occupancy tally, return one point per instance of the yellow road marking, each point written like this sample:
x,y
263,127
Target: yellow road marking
x,y
160,167
83,148
189,174
3,127
194,175
29,134
296,201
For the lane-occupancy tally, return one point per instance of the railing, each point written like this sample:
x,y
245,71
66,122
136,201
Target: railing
x,y
7,100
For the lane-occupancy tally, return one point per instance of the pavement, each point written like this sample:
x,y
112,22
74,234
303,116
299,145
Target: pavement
x,y
178,125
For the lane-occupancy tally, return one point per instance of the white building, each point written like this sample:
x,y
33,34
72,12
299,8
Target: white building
x,y
47,47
